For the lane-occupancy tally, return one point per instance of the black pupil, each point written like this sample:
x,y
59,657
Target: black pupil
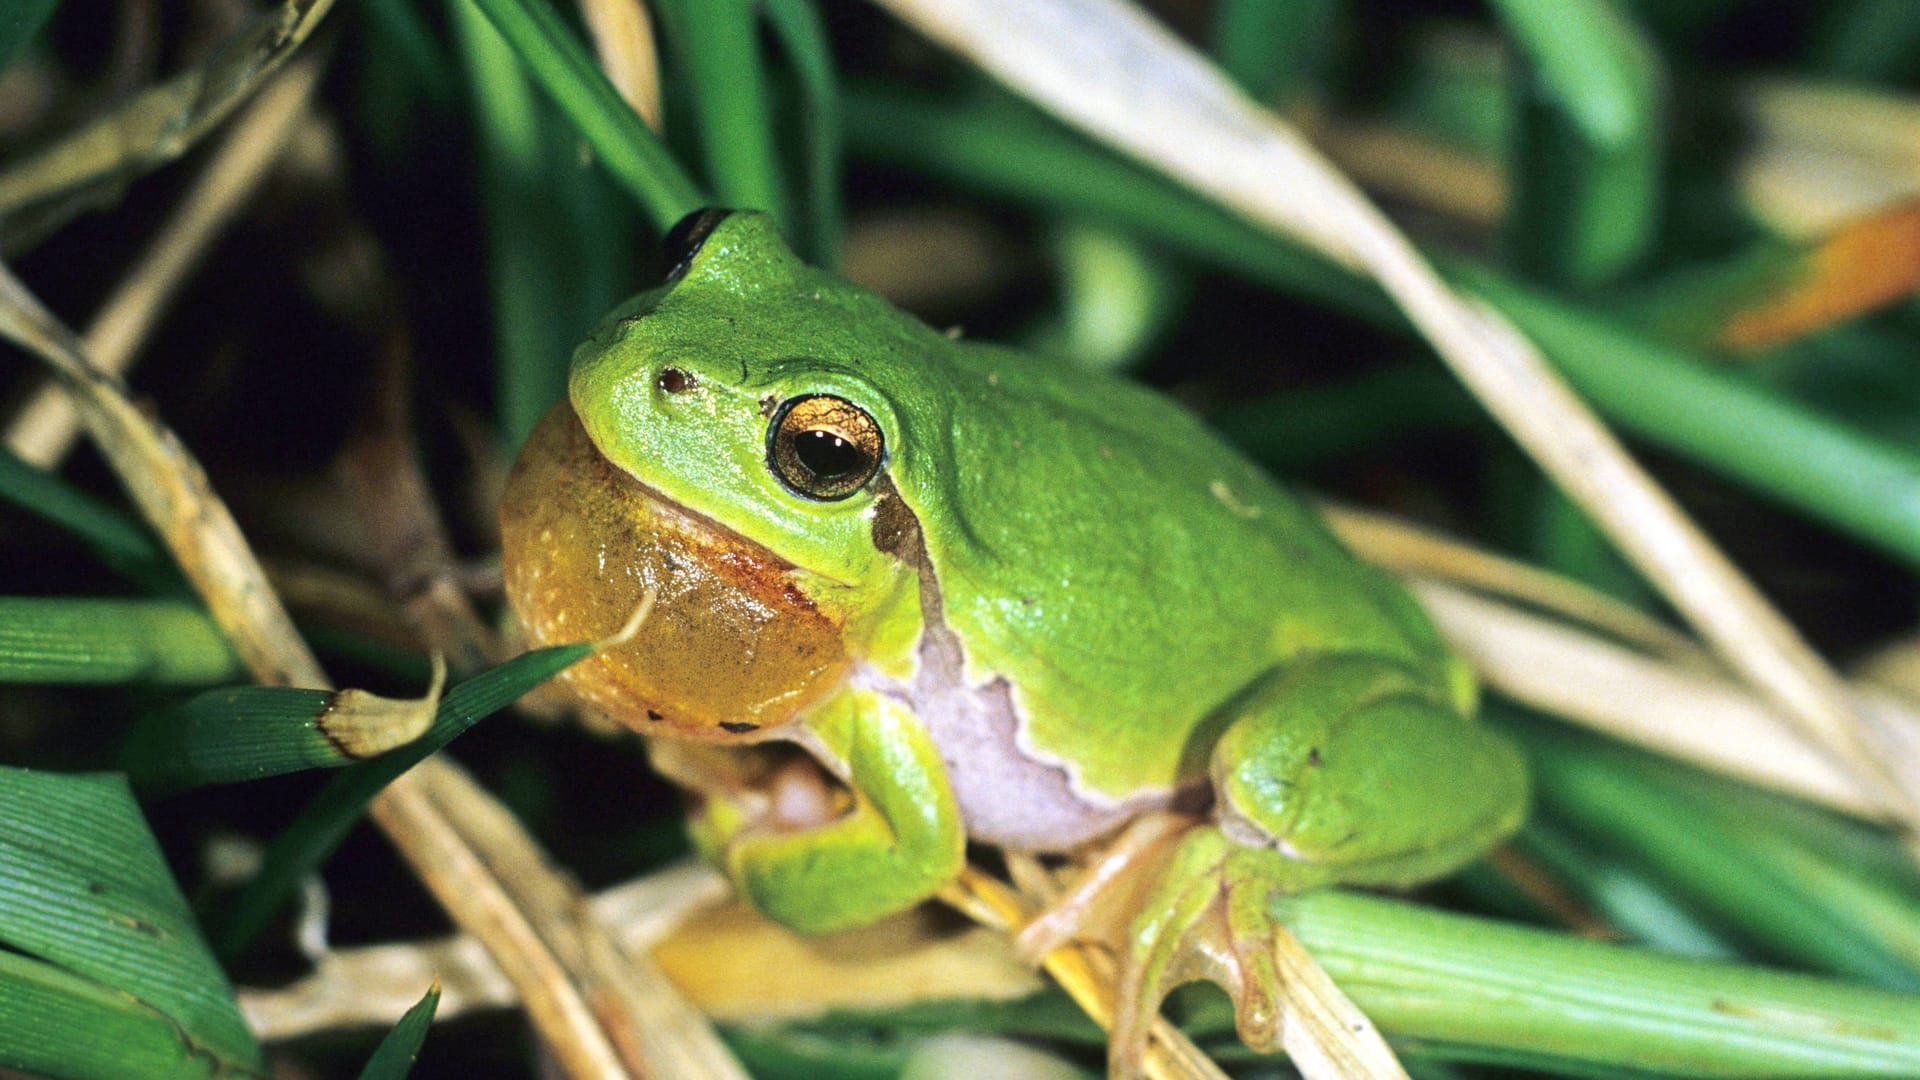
x,y
826,455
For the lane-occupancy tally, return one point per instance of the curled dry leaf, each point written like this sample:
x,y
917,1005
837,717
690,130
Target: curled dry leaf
x,y
361,724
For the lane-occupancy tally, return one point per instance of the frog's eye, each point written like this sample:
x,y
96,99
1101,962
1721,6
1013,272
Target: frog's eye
x,y
683,241
824,447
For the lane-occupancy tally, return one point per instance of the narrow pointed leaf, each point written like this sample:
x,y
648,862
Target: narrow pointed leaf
x,y
1587,153
248,732
304,845
395,1055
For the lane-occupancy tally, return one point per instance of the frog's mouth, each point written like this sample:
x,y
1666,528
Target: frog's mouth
x,y
733,647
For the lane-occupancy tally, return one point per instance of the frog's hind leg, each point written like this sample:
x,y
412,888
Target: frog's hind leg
x,y
1345,770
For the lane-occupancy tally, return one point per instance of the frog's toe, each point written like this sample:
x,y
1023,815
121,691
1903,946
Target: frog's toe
x,y
1104,900
1209,918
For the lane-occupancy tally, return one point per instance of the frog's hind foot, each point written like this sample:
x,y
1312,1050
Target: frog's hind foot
x,y
1178,902
1209,917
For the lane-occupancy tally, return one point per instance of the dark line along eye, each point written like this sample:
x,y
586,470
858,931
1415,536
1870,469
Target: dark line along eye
x,y
684,240
824,447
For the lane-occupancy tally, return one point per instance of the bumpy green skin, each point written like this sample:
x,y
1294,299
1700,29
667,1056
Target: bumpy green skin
x,y
1159,607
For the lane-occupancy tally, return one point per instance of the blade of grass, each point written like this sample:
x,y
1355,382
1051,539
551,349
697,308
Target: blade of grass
x,y
83,886
45,426
114,536
1413,551
1695,715
57,1024
623,39
1721,867
249,732
1294,431
395,1055
721,45
77,640
625,145
804,40
1622,894
1570,1004
528,266
1586,157
415,43
300,848
173,493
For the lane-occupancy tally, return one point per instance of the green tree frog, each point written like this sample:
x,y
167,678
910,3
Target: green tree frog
x,y
915,592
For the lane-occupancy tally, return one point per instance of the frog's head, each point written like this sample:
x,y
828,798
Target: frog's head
x,y
727,440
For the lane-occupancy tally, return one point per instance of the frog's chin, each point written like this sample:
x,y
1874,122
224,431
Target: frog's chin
x,y
734,645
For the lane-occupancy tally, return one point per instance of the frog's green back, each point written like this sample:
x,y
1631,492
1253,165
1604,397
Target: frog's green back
x,y
1127,571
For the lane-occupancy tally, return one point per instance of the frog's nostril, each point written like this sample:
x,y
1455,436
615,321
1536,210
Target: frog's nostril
x,y
674,381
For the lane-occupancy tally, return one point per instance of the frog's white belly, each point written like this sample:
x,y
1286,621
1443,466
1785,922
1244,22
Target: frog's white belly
x,y
1007,798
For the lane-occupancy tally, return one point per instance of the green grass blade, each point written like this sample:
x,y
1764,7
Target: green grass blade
x,y
1867,487
395,1055
1453,979
1587,151
721,46
1621,893
78,640
797,24
522,284
305,844
233,735
54,1023
83,887
120,541
1729,867
625,145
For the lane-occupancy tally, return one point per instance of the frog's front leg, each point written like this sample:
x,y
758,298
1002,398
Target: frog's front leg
x,y
1345,770
901,839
